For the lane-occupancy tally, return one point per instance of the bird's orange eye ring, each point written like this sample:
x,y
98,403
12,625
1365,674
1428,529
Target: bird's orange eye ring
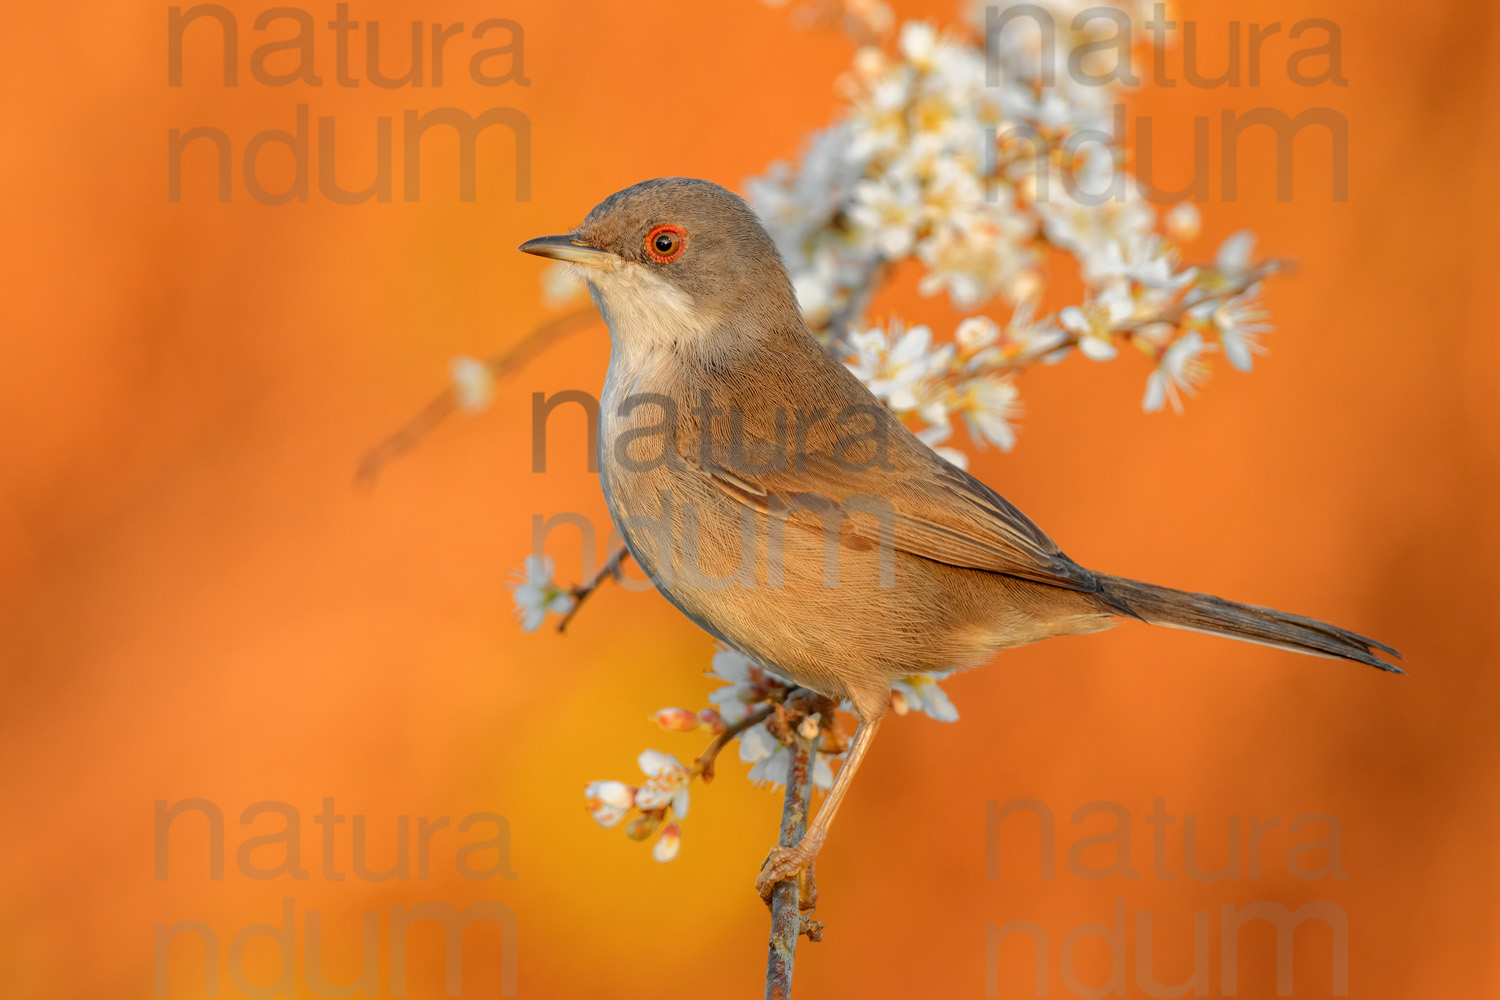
x,y
666,243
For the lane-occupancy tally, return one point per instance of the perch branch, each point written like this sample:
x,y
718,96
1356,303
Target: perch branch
x,y
787,922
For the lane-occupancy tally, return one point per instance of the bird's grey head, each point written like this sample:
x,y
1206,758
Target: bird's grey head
x,y
681,264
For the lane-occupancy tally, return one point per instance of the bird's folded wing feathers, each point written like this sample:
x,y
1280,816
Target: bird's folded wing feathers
x,y
933,509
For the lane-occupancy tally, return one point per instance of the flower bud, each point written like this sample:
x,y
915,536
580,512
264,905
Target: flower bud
x,y
642,826
677,720
667,844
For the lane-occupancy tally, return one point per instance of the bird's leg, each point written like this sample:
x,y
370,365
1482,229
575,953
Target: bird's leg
x,y
787,862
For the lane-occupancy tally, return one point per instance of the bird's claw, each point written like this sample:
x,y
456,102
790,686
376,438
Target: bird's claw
x,y
785,863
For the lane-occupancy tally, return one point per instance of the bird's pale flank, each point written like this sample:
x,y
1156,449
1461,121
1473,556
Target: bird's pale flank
x,y
774,501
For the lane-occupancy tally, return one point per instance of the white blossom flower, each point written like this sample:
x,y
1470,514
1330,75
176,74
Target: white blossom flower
x,y
1094,228
1233,260
896,373
954,194
772,758
1180,369
731,665
608,801
888,210
1047,110
975,333
989,404
1146,259
1234,270
921,691
666,783
748,684
879,117
1239,322
537,594
473,384
730,703
757,743
918,43
976,255
1027,336
1096,320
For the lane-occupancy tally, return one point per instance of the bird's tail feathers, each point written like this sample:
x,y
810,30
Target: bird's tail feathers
x,y
1246,622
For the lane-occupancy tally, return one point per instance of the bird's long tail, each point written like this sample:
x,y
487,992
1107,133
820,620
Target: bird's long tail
x,y
1216,616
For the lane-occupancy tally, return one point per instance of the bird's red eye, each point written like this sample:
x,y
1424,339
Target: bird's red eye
x,y
665,243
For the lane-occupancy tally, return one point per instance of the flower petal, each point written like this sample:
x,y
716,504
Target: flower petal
x,y
757,743
654,762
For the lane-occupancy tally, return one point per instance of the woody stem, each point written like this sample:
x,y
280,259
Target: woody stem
x,y
613,568
786,914
704,765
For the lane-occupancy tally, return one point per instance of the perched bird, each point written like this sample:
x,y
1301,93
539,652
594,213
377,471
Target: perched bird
x,y
773,500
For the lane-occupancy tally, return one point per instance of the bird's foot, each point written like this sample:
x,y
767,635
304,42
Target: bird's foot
x,y
787,863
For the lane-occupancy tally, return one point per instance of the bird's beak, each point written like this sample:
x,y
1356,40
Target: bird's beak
x,y
567,247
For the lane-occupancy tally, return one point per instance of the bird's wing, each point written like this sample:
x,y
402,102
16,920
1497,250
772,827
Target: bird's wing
x,y
909,497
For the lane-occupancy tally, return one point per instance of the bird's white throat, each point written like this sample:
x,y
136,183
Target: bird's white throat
x,y
647,314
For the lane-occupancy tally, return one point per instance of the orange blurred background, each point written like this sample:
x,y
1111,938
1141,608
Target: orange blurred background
x,y
198,602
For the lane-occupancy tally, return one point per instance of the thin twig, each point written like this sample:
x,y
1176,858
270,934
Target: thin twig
x,y
613,568
418,427
1174,314
1171,316
704,765
786,911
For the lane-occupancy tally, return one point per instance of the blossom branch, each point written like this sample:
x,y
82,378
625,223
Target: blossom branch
x,y
1172,316
613,568
787,921
1175,314
703,767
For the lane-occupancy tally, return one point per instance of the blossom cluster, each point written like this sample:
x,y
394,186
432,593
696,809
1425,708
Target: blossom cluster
x,y
982,184
741,709
660,800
